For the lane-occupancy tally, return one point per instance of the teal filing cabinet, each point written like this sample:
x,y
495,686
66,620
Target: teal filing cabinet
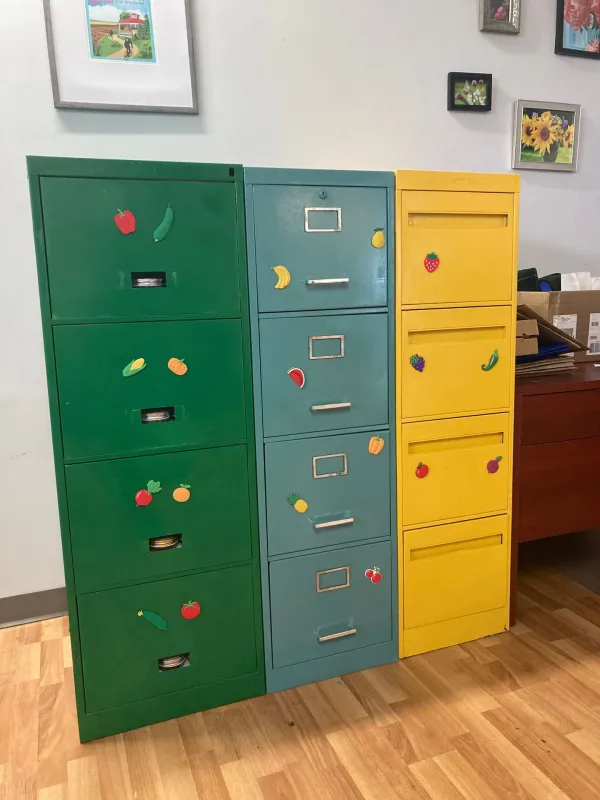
x,y
320,257
144,298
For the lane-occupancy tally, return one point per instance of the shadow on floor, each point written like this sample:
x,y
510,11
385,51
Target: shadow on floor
x,y
577,556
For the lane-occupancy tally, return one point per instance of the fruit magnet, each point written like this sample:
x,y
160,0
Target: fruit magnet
x,y
494,358
432,262
125,222
165,226
297,376
376,445
494,465
378,238
182,493
374,575
154,619
283,274
422,470
417,362
297,503
144,496
190,610
177,366
135,366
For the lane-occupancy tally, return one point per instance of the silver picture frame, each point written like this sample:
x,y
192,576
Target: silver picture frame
x,y
488,16
574,112
158,109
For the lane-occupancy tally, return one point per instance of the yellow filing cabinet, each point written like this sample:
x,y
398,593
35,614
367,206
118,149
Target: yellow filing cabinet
x,y
456,283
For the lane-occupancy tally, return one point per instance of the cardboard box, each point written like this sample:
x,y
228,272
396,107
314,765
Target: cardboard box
x,y
527,337
549,334
575,313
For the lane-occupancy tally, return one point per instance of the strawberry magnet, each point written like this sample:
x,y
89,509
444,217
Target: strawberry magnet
x,y
432,262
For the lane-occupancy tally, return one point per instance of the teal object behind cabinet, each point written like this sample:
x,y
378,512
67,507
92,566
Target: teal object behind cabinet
x,y
320,256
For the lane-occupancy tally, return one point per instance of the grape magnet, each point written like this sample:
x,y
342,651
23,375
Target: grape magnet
x,y
417,362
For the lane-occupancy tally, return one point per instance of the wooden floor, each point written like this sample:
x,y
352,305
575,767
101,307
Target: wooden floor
x,y
514,716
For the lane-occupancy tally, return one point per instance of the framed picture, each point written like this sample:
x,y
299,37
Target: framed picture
x,y
500,16
122,55
578,28
469,91
546,136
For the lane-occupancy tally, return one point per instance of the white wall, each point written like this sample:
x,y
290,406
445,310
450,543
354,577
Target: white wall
x,y
322,83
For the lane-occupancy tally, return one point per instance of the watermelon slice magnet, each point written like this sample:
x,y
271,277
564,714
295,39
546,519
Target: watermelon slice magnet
x,y
297,376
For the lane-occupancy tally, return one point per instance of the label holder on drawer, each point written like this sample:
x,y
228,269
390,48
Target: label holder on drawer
x,y
313,209
321,573
312,339
339,474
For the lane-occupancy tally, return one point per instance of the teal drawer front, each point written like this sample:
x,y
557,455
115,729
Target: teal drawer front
x,y
323,604
121,533
333,240
98,272
346,487
104,413
344,360
121,648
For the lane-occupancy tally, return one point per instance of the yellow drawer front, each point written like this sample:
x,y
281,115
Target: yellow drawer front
x,y
455,468
455,571
472,236
456,361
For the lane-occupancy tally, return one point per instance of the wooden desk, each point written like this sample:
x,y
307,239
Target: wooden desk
x,y
556,486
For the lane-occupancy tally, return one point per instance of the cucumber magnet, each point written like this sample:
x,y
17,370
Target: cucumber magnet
x,y
494,358
165,226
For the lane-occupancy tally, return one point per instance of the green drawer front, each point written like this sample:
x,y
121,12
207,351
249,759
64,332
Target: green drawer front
x,y
114,534
346,487
121,650
339,392
323,604
93,266
102,411
325,242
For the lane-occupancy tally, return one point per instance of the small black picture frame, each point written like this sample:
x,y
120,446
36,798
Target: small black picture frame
x,y
469,91
582,33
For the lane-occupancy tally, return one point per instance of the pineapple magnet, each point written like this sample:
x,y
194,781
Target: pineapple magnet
x,y
154,619
177,366
144,496
378,238
376,445
135,366
182,494
417,362
297,503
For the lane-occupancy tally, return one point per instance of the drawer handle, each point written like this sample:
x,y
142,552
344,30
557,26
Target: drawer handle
x,y
148,280
328,281
173,662
334,523
314,209
170,541
340,635
311,339
151,416
494,358
345,585
341,473
331,407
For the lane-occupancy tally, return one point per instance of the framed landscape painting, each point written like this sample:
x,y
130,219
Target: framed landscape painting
x,y
578,28
546,136
126,55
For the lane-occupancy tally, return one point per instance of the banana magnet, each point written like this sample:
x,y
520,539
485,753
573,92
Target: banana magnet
x,y
284,277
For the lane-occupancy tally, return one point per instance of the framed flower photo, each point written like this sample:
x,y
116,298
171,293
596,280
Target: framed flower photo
x,y
122,55
578,28
546,136
500,16
469,91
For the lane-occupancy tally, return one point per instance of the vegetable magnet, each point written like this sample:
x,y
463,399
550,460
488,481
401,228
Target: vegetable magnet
x,y
417,362
182,494
374,575
422,470
165,226
144,496
135,366
376,445
297,376
378,238
284,277
190,610
177,366
296,502
432,262
494,358
494,465
125,222
154,619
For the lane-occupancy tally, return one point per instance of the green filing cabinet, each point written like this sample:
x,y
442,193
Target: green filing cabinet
x,y
144,297
320,257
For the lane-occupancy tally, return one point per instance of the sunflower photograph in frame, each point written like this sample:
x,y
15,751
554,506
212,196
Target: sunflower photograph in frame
x,y
546,136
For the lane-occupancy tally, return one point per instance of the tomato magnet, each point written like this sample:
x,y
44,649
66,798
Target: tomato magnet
x,y
190,610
